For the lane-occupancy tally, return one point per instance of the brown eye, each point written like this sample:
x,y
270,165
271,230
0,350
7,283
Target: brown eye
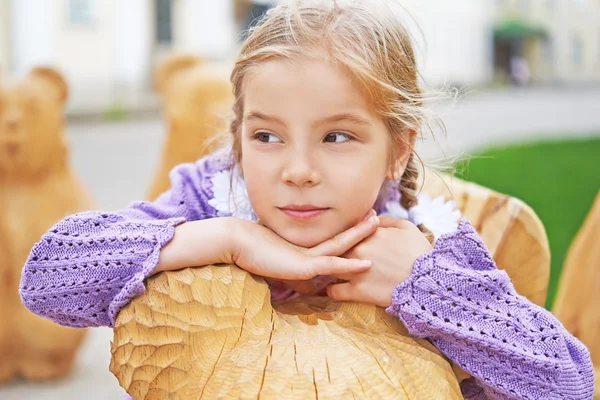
x,y
265,137
337,137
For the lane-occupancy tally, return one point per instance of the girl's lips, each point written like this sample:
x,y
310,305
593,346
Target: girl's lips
x,y
303,214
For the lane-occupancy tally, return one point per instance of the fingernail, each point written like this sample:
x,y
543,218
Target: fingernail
x,y
369,215
365,263
374,218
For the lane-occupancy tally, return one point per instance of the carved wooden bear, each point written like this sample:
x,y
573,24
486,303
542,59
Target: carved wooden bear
x,y
37,189
197,100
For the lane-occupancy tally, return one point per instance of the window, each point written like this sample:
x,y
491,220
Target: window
x,y
81,11
163,15
577,50
580,4
551,4
548,51
599,45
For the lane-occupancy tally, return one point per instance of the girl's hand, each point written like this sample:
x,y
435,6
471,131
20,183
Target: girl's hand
x,y
393,250
262,252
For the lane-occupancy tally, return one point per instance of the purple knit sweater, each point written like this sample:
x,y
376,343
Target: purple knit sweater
x,y
91,264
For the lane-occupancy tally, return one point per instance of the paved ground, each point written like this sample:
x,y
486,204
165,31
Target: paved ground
x,y
116,162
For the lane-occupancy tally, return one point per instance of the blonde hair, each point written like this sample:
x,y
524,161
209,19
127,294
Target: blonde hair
x,y
367,40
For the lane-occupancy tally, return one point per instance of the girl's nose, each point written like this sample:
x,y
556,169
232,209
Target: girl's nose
x,y
300,171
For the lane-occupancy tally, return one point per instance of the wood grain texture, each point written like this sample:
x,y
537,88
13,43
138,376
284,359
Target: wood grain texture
x,y
212,333
596,383
577,303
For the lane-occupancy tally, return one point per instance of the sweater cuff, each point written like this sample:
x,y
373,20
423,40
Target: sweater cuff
x,y
135,286
463,248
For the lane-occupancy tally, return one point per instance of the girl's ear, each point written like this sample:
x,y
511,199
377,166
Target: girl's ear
x,y
403,151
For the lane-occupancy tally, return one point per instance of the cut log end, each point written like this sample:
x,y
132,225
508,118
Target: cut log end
x,y
220,337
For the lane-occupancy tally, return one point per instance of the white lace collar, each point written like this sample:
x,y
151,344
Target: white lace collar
x,y
438,215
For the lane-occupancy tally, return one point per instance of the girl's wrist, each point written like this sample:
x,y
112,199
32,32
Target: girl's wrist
x,y
241,238
203,242
235,234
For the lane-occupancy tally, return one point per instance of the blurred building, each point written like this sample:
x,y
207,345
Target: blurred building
x,y
107,48
558,39
4,41
453,40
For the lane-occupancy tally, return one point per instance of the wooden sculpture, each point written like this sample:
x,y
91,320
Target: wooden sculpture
x,y
37,189
577,303
197,100
596,383
212,332
7,368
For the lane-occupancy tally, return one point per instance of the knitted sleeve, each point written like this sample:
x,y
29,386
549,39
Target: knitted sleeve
x,y
89,265
460,301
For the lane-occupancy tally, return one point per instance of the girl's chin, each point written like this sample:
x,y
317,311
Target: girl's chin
x,y
305,238
306,243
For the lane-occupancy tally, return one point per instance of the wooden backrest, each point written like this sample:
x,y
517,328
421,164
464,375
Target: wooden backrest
x,y
577,303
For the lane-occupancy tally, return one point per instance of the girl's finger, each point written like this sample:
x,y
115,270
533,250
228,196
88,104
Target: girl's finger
x,y
333,266
343,277
308,267
389,222
341,291
369,214
343,242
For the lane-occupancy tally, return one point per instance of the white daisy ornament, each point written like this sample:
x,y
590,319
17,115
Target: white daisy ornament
x,y
230,197
437,215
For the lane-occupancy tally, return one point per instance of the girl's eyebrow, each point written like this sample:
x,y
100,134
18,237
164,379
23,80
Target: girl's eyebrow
x,y
350,117
258,115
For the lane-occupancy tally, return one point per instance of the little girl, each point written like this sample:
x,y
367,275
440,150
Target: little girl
x,y
327,108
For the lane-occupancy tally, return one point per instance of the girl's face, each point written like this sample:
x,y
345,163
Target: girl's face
x,y
314,156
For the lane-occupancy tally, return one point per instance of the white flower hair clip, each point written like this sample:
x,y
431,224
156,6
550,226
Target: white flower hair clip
x,y
231,197
437,215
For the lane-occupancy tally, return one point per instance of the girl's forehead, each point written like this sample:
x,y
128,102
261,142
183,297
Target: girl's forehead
x,y
316,79
300,66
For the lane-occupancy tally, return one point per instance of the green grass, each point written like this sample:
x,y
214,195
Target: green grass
x,y
559,180
117,111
